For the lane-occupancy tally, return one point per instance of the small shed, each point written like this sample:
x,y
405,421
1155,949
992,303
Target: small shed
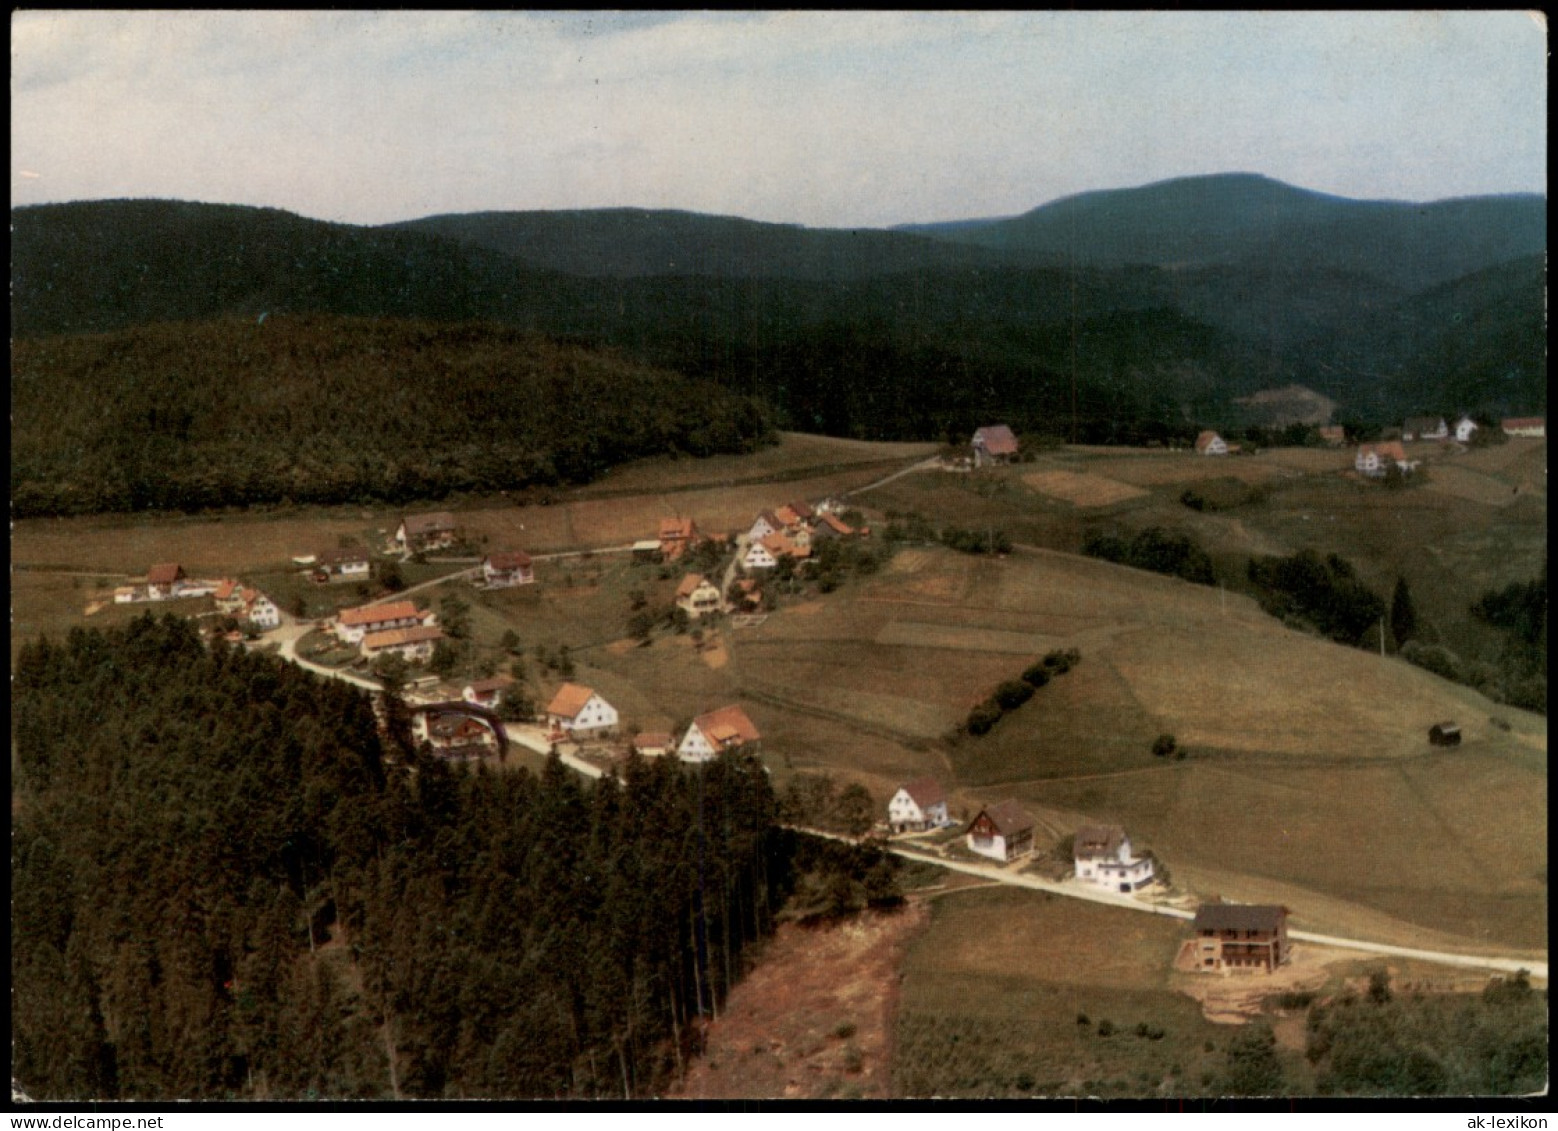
x,y
1446,733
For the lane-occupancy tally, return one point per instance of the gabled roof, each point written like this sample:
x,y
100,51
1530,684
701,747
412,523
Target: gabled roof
x,y
496,683
676,528
435,523
340,557
1098,840
836,524
1009,818
924,792
777,544
787,515
507,560
652,740
378,614
1385,449
165,573
770,517
997,439
726,724
802,510
1239,917
225,590
395,637
690,584
1205,439
569,700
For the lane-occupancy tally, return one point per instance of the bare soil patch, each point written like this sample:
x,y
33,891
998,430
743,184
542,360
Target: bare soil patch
x,y
814,1019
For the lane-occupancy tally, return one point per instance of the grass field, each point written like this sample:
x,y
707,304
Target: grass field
x,y
994,989
1082,490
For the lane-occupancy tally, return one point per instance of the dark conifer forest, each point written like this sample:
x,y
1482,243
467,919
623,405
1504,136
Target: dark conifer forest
x,y
226,883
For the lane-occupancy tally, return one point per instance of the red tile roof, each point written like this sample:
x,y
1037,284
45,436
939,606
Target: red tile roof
x,y
394,637
1387,449
925,792
1099,840
838,525
997,439
508,560
1204,440
689,584
378,614
437,522
725,724
165,573
1524,422
652,740
569,700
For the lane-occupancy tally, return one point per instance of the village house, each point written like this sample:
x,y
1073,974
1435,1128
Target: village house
x,y
164,581
831,526
653,743
1103,858
918,805
748,594
766,553
1523,426
1425,428
766,523
1334,435
413,644
506,568
697,596
994,443
646,550
579,712
725,729
350,564
487,692
677,536
228,597
351,625
450,731
1465,427
1374,460
419,532
1211,444
1240,937
261,610
758,556
1002,832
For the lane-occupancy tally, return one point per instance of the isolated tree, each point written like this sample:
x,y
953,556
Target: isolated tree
x,y
854,809
455,616
509,642
1403,614
1164,746
391,577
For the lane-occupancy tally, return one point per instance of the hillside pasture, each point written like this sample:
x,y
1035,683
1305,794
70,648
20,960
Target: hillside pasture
x,y
1082,489
1473,486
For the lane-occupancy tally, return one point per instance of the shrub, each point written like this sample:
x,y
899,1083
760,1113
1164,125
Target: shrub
x,y
1106,1028
844,1030
1013,693
1433,657
1164,745
1036,674
983,717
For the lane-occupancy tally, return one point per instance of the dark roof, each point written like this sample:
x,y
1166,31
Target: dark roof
x,y
164,574
496,683
508,560
925,792
1009,818
1239,917
1424,423
339,557
1099,840
435,523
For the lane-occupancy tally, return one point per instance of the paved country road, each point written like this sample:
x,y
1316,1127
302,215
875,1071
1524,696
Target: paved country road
x,y
1076,891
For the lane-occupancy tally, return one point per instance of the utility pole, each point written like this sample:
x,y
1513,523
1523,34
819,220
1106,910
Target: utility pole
x,y
1382,637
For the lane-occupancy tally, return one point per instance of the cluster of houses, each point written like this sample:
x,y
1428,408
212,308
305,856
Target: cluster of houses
x,y
793,530
392,628
1228,938
579,712
167,581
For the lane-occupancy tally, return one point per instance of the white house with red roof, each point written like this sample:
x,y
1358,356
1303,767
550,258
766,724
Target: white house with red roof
x,y
1211,444
506,568
1464,428
414,644
1002,832
164,581
352,625
918,805
697,596
1374,460
994,443
487,692
728,728
261,610
1523,426
1103,858
580,712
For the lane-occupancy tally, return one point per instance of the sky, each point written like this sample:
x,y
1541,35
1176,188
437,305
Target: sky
x,y
828,119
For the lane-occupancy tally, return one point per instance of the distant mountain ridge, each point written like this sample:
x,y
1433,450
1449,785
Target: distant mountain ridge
x,y
1248,219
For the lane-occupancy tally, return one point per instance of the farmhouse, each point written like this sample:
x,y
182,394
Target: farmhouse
x,y
831,526
698,596
434,531
1446,733
506,568
1523,426
1104,859
262,611
487,692
994,443
766,523
677,536
228,597
725,729
342,565
1425,428
578,711
758,557
1211,444
164,581
918,805
1240,937
1464,427
351,625
450,731
1374,460
413,644
1002,832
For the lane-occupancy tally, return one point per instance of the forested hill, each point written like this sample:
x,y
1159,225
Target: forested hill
x,y
333,410
1242,219
225,885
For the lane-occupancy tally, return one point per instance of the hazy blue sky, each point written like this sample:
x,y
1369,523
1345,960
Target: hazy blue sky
x,y
826,119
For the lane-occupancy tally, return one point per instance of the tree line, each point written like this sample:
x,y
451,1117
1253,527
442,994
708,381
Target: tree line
x,y
228,883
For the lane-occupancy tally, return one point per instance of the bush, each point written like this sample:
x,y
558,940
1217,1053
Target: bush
x,y
1106,1028
1164,745
1036,674
1012,694
983,717
1433,657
